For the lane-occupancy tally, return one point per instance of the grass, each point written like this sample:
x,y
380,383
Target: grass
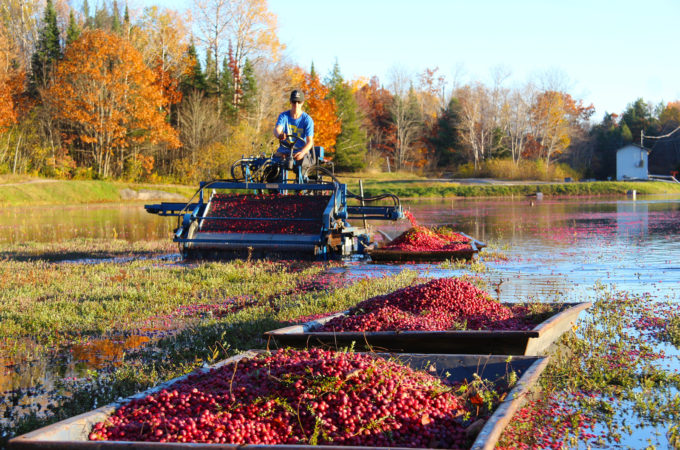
x,y
609,364
205,312
558,189
67,192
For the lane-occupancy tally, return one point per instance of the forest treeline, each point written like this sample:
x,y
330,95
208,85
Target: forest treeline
x,y
158,94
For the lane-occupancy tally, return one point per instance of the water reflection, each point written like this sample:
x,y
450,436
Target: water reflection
x,y
60,223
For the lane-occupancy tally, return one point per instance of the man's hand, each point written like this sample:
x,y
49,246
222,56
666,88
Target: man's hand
x,y
299,156
283,136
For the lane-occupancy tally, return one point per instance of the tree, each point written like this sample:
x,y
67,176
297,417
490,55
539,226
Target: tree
x,y
477,123
212,19
406,116
515,120
194,79
555,116
248,88
323,111
253,30
20,21
48,50
639,117
108,99
375,104
350,148
73,31
8,114
445,139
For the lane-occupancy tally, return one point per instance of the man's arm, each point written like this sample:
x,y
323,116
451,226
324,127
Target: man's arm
x,y
278,133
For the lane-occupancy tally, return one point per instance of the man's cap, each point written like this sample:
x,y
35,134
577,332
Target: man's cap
x,y
297,96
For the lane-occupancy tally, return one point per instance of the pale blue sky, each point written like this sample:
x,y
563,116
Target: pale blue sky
x,y
609,52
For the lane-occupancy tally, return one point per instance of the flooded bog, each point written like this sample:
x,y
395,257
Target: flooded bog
x,y
550,250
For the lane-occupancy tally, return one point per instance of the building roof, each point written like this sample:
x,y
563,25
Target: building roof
x,y
648,150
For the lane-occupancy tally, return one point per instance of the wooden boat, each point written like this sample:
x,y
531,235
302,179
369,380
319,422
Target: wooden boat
x,y
73,433
500,342
389,255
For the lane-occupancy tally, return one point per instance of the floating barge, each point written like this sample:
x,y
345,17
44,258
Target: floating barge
x,y
510,342
73,433
388,255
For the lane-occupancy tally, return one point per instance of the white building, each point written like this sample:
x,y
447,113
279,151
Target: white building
x,y
631,163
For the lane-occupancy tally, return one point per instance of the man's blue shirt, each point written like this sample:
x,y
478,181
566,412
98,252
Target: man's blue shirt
x,y
302,127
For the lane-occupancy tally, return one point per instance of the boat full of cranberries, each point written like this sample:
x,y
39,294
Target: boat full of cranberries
x,y
443,315
302,398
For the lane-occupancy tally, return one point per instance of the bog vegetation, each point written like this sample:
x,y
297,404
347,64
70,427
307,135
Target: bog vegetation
x,y
159,95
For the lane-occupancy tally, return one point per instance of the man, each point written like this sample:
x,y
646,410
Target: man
x,y
295,125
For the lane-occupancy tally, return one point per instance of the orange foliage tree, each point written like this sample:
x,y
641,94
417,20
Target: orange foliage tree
x,y
107,99
327,125
7,110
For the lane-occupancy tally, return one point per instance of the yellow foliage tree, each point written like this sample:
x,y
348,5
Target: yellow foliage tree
x,y
107,99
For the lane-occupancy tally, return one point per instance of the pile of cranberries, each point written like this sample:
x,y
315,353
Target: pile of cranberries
x,y
419,238
423,239
438,305
298,398
296,214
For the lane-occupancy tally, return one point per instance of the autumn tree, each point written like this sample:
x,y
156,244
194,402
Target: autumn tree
x,y
555,116
375,103
350,148
323,110
7,111
107,100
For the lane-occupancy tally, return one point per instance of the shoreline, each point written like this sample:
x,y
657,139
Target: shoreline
x,y
48,192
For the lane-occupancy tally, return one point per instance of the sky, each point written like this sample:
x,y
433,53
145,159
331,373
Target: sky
x,y
608,53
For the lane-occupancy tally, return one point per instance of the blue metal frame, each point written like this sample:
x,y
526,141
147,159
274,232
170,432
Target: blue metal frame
x,y
336,210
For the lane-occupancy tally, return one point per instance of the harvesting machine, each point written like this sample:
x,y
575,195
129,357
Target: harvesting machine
x,y
277,208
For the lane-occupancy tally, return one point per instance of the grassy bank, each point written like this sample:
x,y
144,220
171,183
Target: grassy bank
x,y
433,190
66,192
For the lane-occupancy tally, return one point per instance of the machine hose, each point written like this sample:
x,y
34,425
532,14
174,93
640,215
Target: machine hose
x,y
350,194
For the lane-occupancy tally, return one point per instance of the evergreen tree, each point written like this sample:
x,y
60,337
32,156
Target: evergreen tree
x,y
227,90
248,87
115,19
445,140
86,14
351,143
73,30
126,22
312,72
607,136
195,79
102,19
47,52
211,80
